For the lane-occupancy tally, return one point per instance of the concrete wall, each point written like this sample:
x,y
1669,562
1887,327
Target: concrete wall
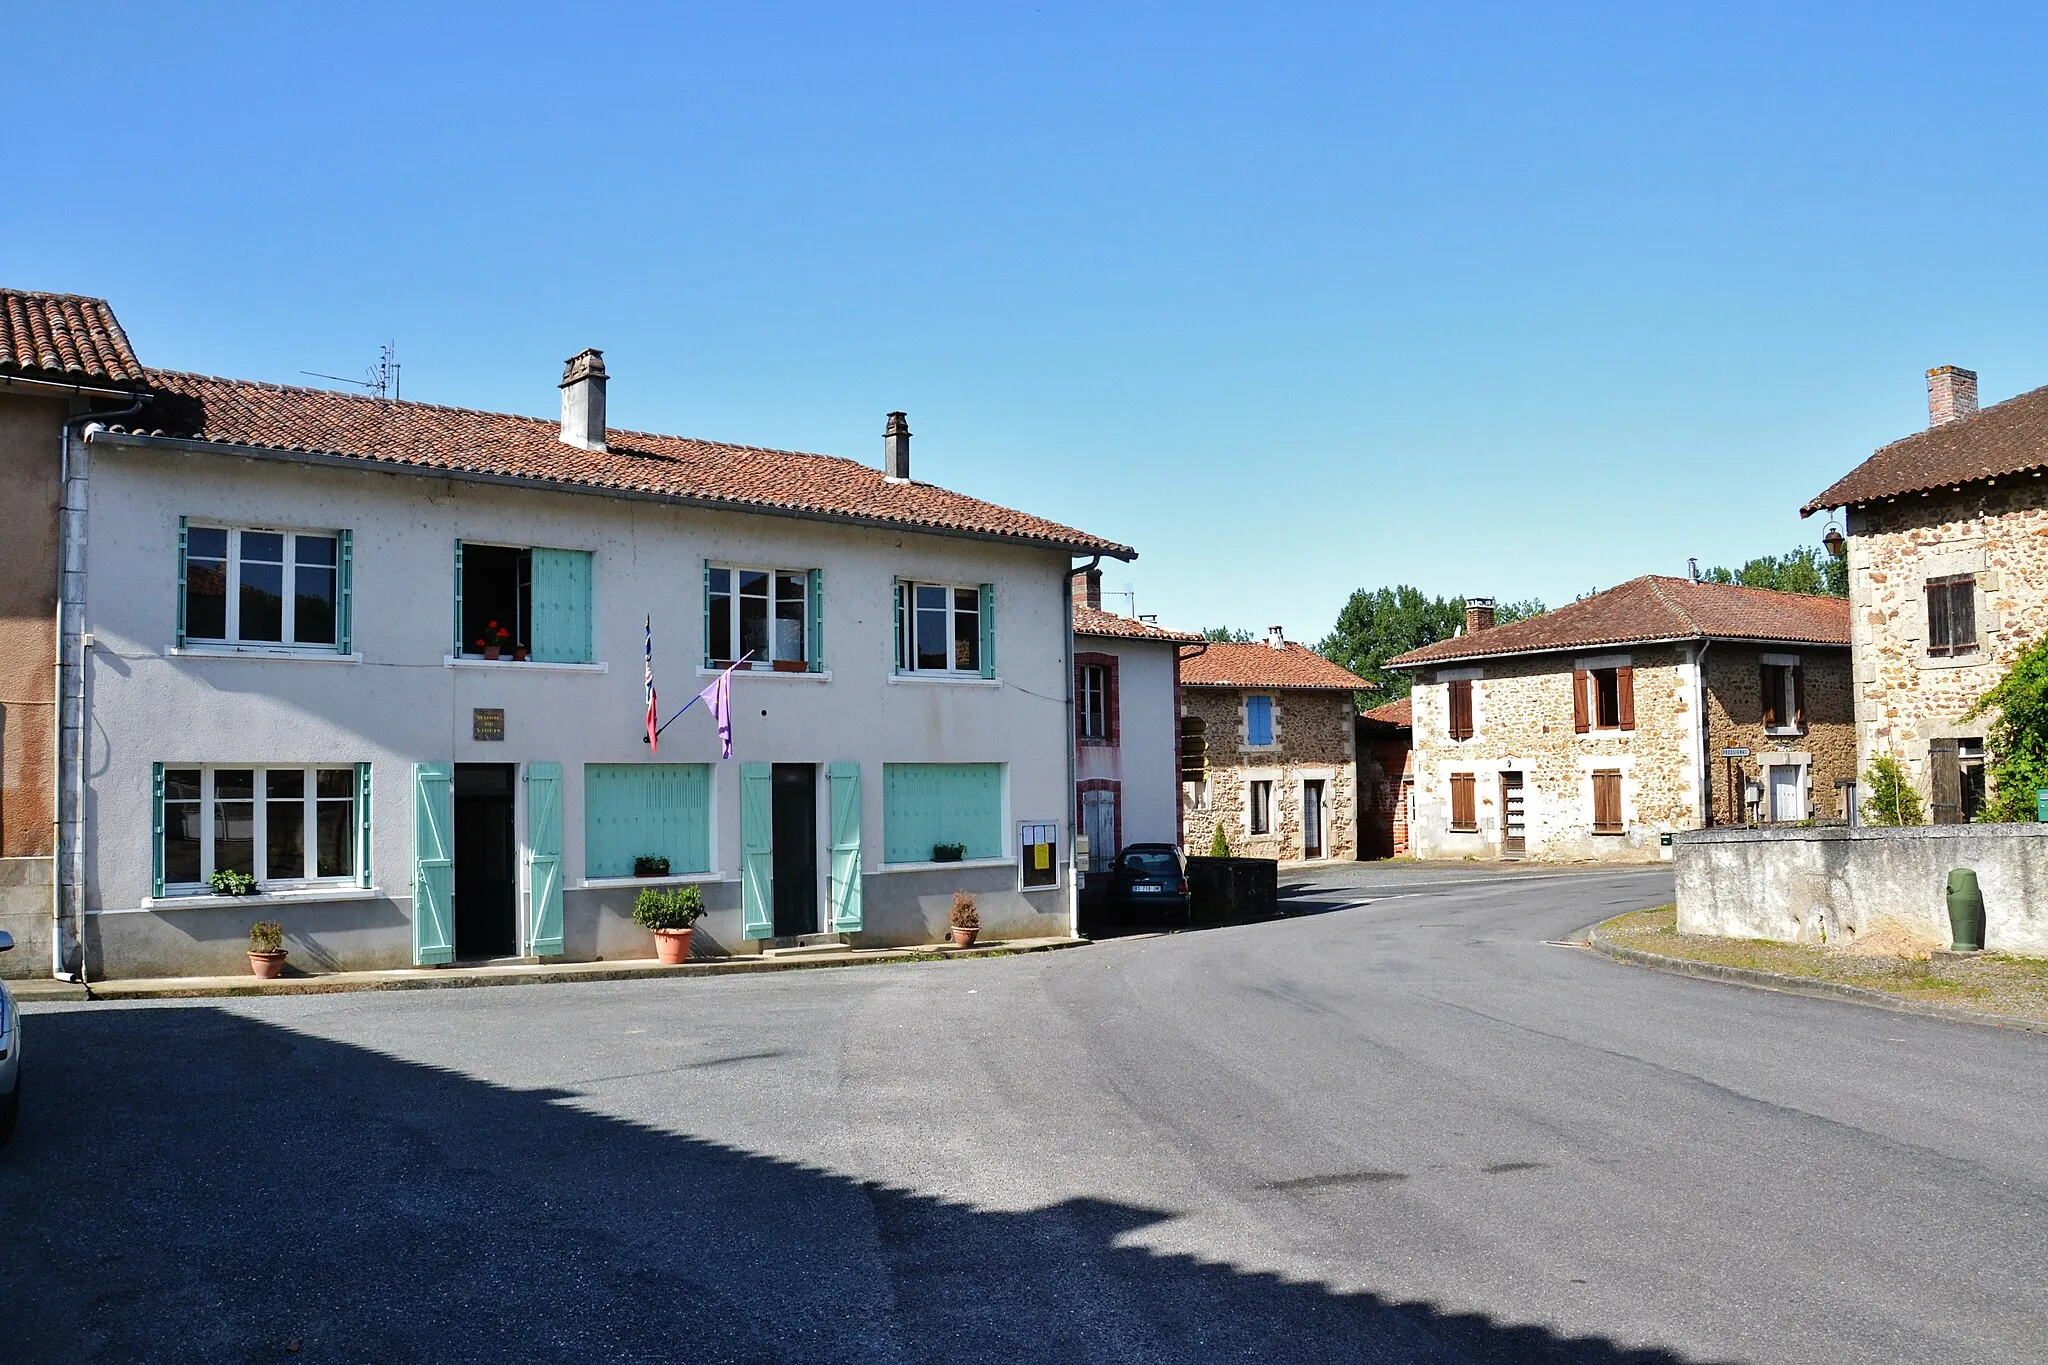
x,y
1832,884
1145,760
400,702
1314,741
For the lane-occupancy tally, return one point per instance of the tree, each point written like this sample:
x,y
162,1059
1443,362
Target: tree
x,y
1377,625
1807,569
1889,798
1219,847
2018,740
1224,635
1507,613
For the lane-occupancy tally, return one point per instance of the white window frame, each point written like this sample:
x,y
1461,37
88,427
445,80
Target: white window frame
x,y
1789,700
803,578
233,624
908,662
1094,703
1251,806
260,852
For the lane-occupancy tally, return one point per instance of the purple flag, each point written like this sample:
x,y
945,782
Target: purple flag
x,y
718,697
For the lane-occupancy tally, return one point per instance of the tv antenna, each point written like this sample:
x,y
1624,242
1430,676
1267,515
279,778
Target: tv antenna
x,y
383,376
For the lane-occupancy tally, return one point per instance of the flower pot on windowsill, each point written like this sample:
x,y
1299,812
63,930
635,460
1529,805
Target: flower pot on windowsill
x,y
791,666
267,966
491,651
948,853
519,654
672,946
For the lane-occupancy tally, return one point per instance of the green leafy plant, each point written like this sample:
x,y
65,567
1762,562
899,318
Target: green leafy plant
x,y
964,915
266,936
650,865
1888,797
948,853
2017,766
668,907
1219,846
228,882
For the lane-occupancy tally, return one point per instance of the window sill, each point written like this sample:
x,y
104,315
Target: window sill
x,y
521,665
678,879
207,900
1599,833
946,679
310,654
824,675
934,867
1974,659
1464,829
1784,734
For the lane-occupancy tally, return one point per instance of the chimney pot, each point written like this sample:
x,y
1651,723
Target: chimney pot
x,y
1276,637
1479,614
1088,589
583,401
1951,394
896,448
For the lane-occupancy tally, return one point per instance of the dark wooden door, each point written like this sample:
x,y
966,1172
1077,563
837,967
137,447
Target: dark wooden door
x,y
796,849
1945,774
486,863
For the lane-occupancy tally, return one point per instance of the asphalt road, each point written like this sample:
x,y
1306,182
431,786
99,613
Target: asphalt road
x,y
1405,1130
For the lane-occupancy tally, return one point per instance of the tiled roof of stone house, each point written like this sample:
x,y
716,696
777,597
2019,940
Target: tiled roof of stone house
x,y
1399,713
68,338
1291,668
2005,439
1095,623
1653,608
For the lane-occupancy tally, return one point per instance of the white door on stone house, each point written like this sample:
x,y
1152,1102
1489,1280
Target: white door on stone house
x,y
1786,793
1098,822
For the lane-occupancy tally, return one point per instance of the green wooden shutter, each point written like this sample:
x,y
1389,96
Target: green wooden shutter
x,y
707,613
182,532
988,630
156,821
459,641
362,824
941,803
633,810
757,850
344,590
815,637
844,886
433,870
897,666
544,856
561,606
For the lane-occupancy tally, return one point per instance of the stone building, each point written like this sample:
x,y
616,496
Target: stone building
x,y
1948,580
1386,779
1279,722
1590,731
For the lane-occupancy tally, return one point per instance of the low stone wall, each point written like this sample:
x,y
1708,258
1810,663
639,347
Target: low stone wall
x,y
1831,885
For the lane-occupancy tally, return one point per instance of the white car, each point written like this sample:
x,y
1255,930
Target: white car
x,y
10,1054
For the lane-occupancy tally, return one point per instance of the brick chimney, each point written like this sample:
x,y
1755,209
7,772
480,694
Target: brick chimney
x,y
1951,394
583,401
1088,589
1478,614
896,448
1276,637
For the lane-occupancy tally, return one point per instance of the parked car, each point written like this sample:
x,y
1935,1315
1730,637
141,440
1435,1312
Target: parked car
x,y
10,1054
1149,882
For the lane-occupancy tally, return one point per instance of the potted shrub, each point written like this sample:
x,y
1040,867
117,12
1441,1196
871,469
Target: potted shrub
x,y
671,912
650,865
228,882
495,638
966,920
266,949
948,853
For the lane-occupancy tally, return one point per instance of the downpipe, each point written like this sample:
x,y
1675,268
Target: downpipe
x,y
1073,763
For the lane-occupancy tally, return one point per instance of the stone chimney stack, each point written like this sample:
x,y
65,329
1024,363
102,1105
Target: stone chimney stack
x,y
896,448
1951,394
1276,637
1478,614
583,401
1088,589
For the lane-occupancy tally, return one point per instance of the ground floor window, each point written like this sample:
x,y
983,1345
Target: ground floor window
x,y
931,809
1259,807
296,824
1607,801
641,814
1464,804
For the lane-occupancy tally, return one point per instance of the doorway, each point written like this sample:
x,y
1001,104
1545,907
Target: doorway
x,y
1514,840
1098,822
1786,791
1312,840
486,863
795,824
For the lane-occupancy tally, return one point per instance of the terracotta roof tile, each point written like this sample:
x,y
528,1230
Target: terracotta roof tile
x,y
1400,712
426,436
1261,665
1108,625
1654,608
2005,438
64,337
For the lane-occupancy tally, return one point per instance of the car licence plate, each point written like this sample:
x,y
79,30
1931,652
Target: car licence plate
x,y
1147,888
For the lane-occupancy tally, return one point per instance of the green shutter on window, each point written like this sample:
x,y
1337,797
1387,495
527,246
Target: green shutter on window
x,y
646,810
561,606
156,822
816,634
897,667
707,613
544,856
459,641
433,868
362,824
844,884
925,804
988,630
757,850
182,533
344,602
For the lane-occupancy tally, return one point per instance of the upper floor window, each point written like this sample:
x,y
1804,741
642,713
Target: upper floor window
x,y
1603,699
1784,698
1258,721
1092,703
768,617
298,824
518,602
1459,693
1952,614
945,628
243,585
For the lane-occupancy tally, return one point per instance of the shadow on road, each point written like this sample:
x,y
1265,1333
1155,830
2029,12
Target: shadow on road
x,y
190,1184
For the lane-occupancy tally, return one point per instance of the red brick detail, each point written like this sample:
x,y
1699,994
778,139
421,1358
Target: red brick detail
x,y
1111,729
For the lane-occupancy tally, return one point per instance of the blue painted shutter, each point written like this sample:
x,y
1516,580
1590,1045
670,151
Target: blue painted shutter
x,y
157,808
182,531
844,884
815,637
897,666
460,643
433,868
544,856
1258,720
362,824
561,606
344,593
757,850
988,630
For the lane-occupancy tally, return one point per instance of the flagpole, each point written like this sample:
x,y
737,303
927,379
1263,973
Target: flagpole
x,y
694,700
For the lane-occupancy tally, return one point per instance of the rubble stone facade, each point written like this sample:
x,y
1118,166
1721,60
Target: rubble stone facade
x,y
1314,741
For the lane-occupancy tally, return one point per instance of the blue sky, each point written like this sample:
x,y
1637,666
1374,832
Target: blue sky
x,y
1485,298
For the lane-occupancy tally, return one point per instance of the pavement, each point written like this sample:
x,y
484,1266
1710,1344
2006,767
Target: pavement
x,y
1395,1125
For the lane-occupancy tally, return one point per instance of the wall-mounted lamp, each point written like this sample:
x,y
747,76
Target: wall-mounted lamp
x,y
1834,540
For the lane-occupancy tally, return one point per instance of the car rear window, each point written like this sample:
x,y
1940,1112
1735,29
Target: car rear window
x,y
1153,864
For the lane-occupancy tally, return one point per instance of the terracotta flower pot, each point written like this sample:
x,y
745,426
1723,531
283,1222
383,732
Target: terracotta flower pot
x,y
492,651
266,966
964,938
672,946
791,666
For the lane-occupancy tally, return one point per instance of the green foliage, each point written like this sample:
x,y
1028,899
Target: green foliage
x,y
1225,635
1219,847
2017,764
1377,625
1507,613
650,865
228,882
266,936
668,907
1888,795
1807,569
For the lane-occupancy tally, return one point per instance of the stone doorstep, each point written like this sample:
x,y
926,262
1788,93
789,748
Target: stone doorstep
x,y
514,974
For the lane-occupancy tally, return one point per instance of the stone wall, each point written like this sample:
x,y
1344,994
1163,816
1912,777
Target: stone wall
x,y
1383,757
1314,741
1835,884
1904,697
1735,720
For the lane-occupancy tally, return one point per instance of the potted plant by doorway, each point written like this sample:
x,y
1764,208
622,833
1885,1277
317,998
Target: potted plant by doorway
x,y
966,920
671,912
266,949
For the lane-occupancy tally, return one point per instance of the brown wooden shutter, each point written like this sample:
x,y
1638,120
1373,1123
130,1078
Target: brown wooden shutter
x,y
1799,696
1939,634
1606,801
1766,684
1461,708
1962,616
1579,720
1625,697
1945,775
1463,811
